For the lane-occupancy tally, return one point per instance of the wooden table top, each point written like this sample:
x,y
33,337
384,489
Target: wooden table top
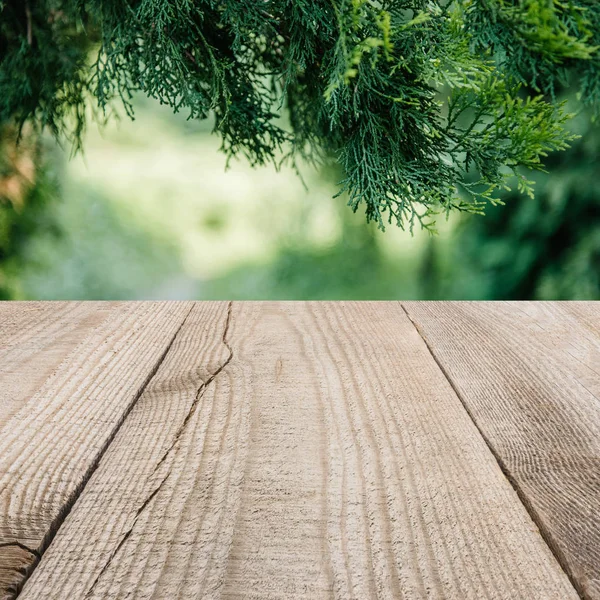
x,y
352,450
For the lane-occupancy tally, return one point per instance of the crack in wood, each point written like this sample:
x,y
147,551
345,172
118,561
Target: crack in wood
x,y
200,392
20,545
70,502
125,537
178,434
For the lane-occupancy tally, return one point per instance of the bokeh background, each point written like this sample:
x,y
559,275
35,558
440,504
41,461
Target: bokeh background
x,y
149,211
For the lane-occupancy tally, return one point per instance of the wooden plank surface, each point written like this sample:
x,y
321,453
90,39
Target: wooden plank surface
x,y
35,337
298,451
568,330
69,373
529,374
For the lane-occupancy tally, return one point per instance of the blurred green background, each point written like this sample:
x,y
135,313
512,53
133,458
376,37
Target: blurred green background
x,y
149,211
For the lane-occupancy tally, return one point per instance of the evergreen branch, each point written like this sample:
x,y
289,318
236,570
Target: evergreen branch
x,y
429,106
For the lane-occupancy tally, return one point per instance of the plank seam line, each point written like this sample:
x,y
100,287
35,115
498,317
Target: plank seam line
x,y
180,430
20,545
533,513
126,535
70,501
200,391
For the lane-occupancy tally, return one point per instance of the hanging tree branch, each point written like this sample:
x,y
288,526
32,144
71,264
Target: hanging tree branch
x,y
422,102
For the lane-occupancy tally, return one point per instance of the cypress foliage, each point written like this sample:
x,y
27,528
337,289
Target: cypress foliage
x,y
422,102
547,249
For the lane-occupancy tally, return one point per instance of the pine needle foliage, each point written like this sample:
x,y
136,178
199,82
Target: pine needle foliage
x,y
428,106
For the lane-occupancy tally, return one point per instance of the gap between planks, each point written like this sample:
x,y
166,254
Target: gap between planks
x,y
181,429
70,502
533,513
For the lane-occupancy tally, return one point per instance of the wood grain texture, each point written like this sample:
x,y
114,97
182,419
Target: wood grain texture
x,y
35,337
288,450
529,374
69,373
569,330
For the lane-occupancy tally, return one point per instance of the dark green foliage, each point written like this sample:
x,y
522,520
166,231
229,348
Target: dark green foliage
x,y
546,248
542,44
17,225
43,78
420,101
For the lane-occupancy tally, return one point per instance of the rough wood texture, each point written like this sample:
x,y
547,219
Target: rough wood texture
x,y
288,451
69,372
35,339
528,373
569,330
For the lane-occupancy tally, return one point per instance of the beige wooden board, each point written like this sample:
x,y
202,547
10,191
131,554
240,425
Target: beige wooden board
x,y
289,451
528,373
34,340
570,330
69,372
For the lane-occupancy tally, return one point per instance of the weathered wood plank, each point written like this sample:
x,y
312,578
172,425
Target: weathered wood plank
x,y
151,452
323,454
35,337
69,373
570,330
528,374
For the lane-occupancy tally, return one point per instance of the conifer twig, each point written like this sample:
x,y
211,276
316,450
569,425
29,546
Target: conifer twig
x,y
29,23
